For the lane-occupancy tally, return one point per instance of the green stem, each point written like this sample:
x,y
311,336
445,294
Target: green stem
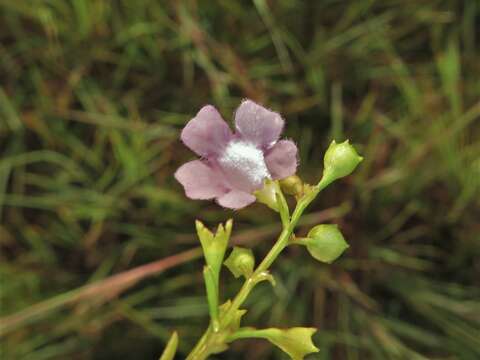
x,y
211,285
248,333
202,350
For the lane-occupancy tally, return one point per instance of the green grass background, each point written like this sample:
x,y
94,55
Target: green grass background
x,y
93,94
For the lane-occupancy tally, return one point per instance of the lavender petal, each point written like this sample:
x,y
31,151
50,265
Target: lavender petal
x,y
257,124
236,199
281,159
200,181
207,133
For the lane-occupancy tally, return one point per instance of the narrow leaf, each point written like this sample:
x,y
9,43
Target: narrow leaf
x,y
171,348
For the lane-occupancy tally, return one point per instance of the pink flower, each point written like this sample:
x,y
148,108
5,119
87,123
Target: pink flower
x,y
234,165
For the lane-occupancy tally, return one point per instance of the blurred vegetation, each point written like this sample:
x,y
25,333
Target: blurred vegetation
x,y
96,236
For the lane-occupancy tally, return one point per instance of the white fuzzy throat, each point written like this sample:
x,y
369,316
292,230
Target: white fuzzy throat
x,y
246,158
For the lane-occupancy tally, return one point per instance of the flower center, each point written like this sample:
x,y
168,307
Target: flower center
x,y
244,165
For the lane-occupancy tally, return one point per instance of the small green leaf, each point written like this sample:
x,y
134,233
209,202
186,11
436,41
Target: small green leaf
x,y
171,348
296,342
240,262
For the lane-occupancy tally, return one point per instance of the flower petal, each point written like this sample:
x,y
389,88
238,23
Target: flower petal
x,y
236,199
200,181
281,159
207,133
258,125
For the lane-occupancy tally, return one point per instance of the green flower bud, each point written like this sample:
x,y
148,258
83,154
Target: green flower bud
x,y
267,195
340,160
240,262
292,185
325,243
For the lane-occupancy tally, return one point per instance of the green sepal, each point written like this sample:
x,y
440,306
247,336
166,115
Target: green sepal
x,y
325,242
214,246
282,207
296,342
267,195
271,194
240,262
234,324
171,348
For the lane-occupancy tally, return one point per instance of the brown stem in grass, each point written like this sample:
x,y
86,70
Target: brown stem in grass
x,y
103,289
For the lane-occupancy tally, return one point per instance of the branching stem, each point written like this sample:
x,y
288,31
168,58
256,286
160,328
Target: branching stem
x,y
212,339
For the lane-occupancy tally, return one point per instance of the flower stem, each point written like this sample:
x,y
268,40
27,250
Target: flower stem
x,y
200,351
212,338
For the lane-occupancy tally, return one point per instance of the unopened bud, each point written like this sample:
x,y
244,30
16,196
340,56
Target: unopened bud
x,y
292,185
325,243
340,160
240,262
